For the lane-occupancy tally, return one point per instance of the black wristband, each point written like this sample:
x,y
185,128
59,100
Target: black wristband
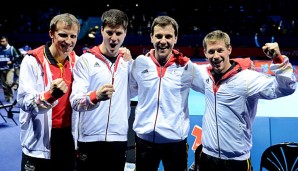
x,y
57,93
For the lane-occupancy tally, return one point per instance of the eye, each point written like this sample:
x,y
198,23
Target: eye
x,y
169,36
73,36
110,33
220,50
62,35
158,36
119,33
211,52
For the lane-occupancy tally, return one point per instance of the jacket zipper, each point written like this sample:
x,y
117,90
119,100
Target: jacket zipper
x,y
109,110
157,105
216,119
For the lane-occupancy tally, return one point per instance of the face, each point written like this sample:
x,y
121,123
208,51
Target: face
x,y
218,55
64,38
3,43
163,40
113,38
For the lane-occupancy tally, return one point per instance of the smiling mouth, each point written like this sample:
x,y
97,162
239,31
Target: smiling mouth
x,y
162,49
66,48
216,64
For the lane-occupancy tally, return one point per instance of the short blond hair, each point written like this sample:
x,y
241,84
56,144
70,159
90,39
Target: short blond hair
x,y
67,18
215,36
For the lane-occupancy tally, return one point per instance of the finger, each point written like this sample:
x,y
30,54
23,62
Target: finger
x,y
108,87
269,51
108,91
64,89
61,85
57,81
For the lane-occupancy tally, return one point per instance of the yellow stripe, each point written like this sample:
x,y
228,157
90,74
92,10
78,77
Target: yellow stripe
x,y
85,62
60,65
248,165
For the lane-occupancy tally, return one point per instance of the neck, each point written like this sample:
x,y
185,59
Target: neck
x,y
228,67
163,60
58,57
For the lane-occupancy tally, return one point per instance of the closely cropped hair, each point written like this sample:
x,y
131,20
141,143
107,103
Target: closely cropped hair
x,y
164,21
113,18
4,37
67,18
215,36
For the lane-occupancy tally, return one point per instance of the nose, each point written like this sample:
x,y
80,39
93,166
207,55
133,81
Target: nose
x,y
69,39
216,55
163,40
114,37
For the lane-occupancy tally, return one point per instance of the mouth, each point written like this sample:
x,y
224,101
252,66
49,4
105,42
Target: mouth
x,y
216,63
162,49
113,45
66,47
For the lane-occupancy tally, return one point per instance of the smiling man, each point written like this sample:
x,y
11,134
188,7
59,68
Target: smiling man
x,y
232,91
162,80
44,88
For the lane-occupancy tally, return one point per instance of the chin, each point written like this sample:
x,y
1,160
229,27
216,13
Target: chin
x,y
67,53
218,70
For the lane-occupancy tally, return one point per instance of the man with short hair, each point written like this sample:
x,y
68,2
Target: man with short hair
x,y
8,56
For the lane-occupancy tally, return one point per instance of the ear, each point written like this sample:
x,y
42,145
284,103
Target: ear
x,y
176,39
151,37
204,51
230,49
51,34
101,29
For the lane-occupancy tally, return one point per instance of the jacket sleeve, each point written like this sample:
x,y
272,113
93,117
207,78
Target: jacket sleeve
x,y
199,70
283,83
32,88
133,86
80,97
15,53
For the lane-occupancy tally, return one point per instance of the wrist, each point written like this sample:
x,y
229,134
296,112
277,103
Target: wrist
x,y
48,97
93,97
278,60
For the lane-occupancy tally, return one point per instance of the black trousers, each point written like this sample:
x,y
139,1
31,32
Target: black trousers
x,y
101,156
62,154
209,163
174,156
